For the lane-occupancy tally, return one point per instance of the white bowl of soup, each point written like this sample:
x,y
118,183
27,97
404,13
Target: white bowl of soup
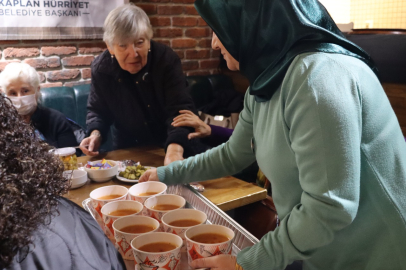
x,y
159,205
178,221
115,210
208,240
103,195
127,228
157,250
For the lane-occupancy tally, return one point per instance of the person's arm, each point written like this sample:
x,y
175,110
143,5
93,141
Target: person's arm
x,y
226,159
98,115
99,118
64,133
322,114
176,98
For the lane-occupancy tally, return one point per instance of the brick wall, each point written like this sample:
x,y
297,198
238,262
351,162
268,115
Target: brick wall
x,y
176,23
59,62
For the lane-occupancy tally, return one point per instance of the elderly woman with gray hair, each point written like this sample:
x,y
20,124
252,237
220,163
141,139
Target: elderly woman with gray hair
x,y
139,87
20,83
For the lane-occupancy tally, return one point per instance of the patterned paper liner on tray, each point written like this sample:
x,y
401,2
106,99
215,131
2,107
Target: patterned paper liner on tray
x,y
214,214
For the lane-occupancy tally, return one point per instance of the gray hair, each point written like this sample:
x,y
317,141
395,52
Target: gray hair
x,y
20,72
125,23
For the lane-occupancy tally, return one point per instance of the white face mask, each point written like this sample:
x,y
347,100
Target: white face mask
x,y
25,104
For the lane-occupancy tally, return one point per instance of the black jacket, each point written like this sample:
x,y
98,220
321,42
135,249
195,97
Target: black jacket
x,y
73,240
141,106
54,126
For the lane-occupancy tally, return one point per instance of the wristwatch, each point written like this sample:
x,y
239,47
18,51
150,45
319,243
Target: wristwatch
x,y
238,267
95,133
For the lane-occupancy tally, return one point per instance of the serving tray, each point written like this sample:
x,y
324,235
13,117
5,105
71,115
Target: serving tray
x,y
214,214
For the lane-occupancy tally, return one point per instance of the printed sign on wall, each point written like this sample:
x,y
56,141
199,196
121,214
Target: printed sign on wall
x,y
52,19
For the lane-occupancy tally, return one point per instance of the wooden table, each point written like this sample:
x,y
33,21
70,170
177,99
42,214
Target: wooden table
x,y
227,192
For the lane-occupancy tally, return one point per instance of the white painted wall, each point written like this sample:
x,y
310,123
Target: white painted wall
x,y
340,10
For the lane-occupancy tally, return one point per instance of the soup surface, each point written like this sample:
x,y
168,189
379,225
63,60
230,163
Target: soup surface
x,y
137,229
110,197
123,212
158,247
184,223
148,193
210,238
165,207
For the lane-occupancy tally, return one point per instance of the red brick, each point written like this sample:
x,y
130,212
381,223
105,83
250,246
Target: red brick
x,y
160,21
75,61
198,32
48,85
170,10
201,22
184,21
35,41
205,43
190,65
41,77
92,47
58,50
180,53
163,41
39,63
8,42
149,9
3,64
159,1
184,43
215,53
70,84
197,54
198,73
66,74
168,32
86,73
191,10
20,52
82,40
207,64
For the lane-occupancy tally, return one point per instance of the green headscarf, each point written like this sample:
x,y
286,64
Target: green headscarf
x,y
266,35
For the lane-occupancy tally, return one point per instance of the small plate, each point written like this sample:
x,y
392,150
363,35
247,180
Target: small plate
x,y
131,180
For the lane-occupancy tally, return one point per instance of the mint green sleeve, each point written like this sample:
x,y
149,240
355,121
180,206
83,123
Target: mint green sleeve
x,y
322,121
226,159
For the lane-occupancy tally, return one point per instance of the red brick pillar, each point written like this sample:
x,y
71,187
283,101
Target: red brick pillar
x,y
177,24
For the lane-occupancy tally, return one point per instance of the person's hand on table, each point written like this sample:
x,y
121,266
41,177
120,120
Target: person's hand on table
x,y
220,262
91,144
149,175
189,119
174,152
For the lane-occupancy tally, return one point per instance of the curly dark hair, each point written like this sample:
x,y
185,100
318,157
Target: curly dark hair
x,y
30,182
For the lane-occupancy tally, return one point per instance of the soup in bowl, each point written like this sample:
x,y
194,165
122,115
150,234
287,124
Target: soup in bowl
x,y
159,205
178,221
208,240
157,250
129,227
115,210
103,195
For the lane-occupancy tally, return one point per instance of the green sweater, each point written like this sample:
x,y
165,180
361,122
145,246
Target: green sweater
x,y
331,146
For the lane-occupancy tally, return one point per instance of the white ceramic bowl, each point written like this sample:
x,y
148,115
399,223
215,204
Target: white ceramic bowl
x,y
78,177
103,175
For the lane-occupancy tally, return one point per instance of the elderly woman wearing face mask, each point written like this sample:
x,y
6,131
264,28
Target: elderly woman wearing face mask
x,y
139,87
20,83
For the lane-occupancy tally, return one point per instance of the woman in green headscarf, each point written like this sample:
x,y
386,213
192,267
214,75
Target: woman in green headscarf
x,y
322,130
